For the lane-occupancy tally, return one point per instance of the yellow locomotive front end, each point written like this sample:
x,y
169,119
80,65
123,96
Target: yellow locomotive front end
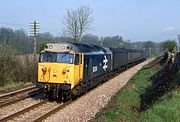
x,y
59,69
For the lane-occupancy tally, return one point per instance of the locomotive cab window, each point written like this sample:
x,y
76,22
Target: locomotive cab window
x,y
78,59
57,57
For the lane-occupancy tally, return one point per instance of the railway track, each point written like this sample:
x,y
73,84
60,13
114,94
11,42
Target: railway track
x,y
41,118
52,109
19,114
16,96
10,117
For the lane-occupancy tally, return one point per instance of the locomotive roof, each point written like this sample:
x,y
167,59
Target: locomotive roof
x,y
74,47
124,50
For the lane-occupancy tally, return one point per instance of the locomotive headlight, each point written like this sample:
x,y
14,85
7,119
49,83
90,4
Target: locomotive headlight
x,y
50,46
63,47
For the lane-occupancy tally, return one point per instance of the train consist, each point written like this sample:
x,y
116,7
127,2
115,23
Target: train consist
x,y
67,70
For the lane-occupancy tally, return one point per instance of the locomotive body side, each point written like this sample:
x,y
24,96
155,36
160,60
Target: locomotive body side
x,y
96,64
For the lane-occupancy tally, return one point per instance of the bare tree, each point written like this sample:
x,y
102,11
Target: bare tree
x,y
77,22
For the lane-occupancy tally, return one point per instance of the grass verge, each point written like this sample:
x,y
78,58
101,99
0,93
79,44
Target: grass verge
x,y
126,104
12,86
166,109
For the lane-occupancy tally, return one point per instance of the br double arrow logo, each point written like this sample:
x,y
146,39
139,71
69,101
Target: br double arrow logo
x,y
105,61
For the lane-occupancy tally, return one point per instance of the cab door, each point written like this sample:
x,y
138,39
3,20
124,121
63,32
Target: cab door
x,y
78,68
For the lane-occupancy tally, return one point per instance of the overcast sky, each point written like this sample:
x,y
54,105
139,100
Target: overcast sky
x,y
137,20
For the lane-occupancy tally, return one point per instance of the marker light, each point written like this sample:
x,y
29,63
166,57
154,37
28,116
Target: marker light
x,y
54,71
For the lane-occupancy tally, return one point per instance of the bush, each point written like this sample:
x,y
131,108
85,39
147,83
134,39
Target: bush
x,y
170,45
15,69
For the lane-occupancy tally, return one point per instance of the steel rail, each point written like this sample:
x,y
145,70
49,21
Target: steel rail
x,y
17,92
41,118
4,104
5,119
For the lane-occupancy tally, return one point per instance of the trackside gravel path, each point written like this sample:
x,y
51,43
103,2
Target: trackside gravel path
x,y
89,104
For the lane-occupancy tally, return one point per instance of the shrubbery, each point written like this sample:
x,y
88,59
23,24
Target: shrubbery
x,y
14,67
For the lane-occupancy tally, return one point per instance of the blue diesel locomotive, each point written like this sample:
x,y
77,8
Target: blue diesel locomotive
x,y
67,70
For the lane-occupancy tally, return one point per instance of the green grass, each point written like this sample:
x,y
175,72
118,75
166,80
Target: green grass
x,y
11,86
126,104
167,109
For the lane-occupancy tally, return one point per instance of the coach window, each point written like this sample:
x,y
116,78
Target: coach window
x,y
78,59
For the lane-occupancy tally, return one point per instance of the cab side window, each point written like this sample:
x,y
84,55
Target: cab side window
x,y
78,59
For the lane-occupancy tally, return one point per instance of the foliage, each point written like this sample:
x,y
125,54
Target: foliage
x,y
150,47
90,39
115,41
42,45
14,68
8,64
126,105
12,86
149,44
24,43
170,45
17,39
165,110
